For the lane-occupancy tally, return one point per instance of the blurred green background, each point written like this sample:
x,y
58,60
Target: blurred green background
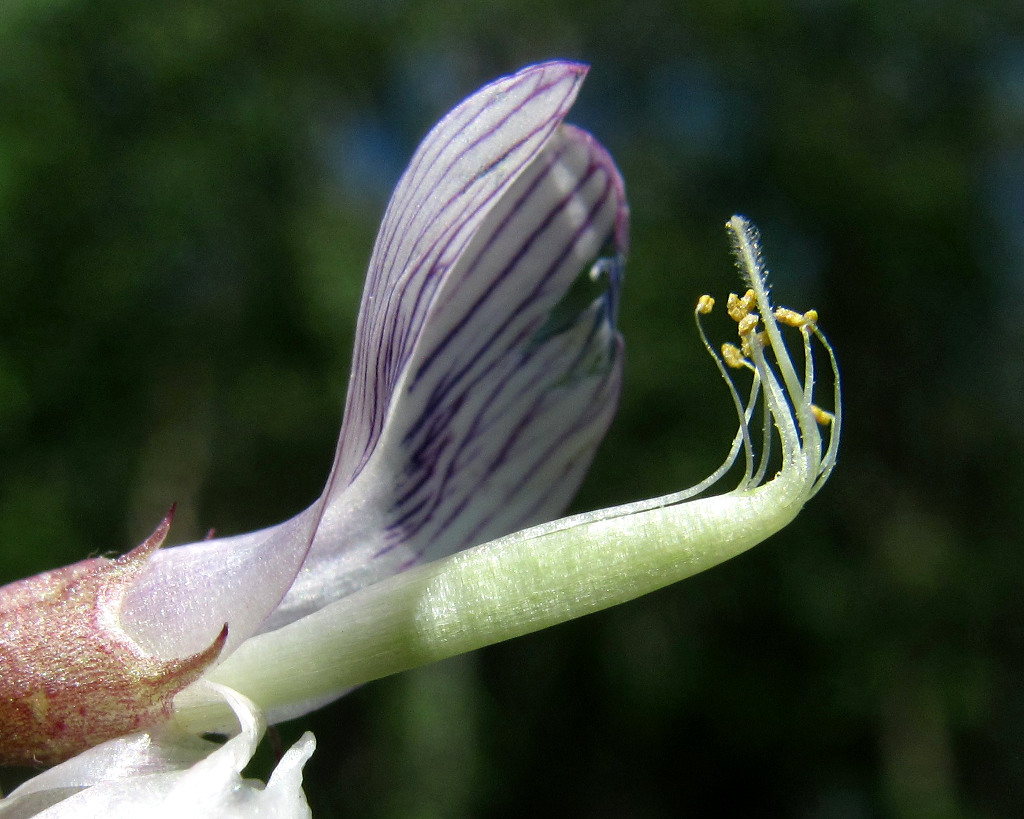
x,y
189,193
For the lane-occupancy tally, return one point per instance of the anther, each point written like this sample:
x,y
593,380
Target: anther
x,y
739,307
791,318
732,307
732,357
823,417
748,323
705,305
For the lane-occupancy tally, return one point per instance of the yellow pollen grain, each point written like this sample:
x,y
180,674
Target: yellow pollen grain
x,y
790,318
748,323
734,307
823,417
732,356
739,307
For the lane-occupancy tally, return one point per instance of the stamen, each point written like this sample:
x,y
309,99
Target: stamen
x,y
748,323
823,417
733,357
828,460
791,318
761,339
739,307
785,402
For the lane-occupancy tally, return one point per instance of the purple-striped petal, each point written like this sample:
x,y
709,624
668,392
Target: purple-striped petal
x,y
502,411
504,391
486,371
471,411
456,177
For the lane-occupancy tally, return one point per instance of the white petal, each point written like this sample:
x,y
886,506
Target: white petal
x,y
210,787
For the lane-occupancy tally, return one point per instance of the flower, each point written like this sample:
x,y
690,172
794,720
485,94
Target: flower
x,y
566,568
486,371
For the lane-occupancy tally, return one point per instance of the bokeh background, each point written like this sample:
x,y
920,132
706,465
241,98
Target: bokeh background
x,y
189,193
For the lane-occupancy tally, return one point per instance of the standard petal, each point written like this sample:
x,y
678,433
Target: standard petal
x,y
456,177
471,410
507,391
